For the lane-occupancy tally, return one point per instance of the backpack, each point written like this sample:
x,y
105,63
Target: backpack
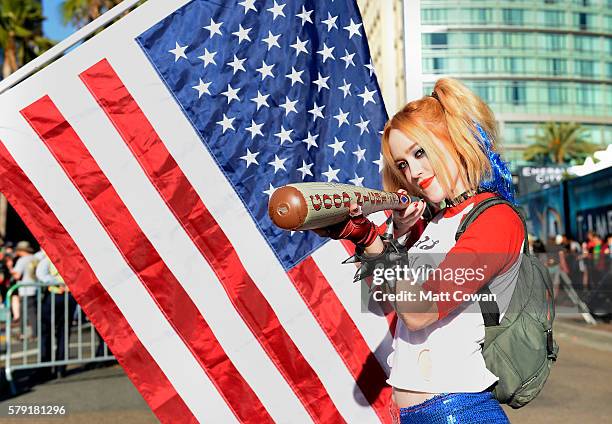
x,y
520,349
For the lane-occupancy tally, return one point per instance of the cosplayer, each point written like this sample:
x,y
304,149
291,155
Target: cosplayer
x,y
442,149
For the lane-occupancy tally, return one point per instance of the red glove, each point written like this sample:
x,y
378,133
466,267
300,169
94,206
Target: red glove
x,y
358,229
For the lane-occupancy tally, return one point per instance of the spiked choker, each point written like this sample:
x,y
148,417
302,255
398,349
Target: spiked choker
x,y
461,198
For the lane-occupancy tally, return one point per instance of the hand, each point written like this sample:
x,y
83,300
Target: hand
x,y
404,220
357,228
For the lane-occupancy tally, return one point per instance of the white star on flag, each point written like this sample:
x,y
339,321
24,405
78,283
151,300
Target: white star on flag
x,y
208,57
284,135
277,10
360,154
348,58
337,146
305,16
260,100
178,52
270,190
214,28
289,106
265,70
379,162
305,169
331,174
295,76
248,5
310,141
250,158
255,129
242,34
330,22
202,88
326,52
367,96
226,123
321,82
278,163
353,29
272,40
316,111
342,117
236,64
231,93
370,67
345,88
357,181
299,46
363,125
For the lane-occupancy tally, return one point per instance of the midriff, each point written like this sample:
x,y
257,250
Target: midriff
x,y
406,398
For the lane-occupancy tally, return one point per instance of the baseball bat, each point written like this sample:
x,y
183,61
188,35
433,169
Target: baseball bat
x,y
305,206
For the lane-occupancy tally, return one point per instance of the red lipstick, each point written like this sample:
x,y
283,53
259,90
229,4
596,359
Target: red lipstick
x,y
426,183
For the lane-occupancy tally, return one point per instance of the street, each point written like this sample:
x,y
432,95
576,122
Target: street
x,y
578,390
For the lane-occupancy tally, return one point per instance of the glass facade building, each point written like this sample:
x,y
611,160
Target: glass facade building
x,y
532,61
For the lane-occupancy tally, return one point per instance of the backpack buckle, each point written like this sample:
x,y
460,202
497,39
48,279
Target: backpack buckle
x,y
550,347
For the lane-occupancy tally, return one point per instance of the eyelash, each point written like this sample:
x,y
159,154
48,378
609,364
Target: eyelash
x,y
403,164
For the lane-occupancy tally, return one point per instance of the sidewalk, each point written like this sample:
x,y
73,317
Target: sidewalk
x,y
598,336
103,395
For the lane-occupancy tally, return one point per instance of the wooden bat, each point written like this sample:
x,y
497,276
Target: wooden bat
x,y
305,206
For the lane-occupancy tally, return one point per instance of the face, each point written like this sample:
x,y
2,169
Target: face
x,y
412,161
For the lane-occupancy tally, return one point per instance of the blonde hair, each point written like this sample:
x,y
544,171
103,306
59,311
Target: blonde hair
x,y
450,117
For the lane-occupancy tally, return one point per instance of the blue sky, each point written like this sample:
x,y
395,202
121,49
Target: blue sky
x,y
53,26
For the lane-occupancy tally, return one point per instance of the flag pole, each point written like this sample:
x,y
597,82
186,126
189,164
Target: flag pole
x,y
57,50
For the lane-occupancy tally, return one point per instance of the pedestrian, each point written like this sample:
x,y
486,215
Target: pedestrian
x,y
24,273
442,149
58,307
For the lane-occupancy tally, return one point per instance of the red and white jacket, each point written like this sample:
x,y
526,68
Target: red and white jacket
x,y
446,355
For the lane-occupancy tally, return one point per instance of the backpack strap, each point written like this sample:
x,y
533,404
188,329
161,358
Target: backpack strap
x,y
489,308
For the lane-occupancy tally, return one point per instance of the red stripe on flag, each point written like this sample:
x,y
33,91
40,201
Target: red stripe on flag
x,y
141,256
207,235
344,334
138,364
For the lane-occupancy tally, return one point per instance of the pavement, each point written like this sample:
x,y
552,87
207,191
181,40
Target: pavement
x,y
578,389
98,396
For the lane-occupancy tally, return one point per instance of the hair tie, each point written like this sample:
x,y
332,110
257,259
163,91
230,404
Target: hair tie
x,y
435,96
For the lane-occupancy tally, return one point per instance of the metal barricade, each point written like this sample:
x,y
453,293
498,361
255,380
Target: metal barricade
x,y
60,335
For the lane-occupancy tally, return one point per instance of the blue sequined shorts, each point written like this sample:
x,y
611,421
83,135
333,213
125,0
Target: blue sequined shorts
x,y
454,408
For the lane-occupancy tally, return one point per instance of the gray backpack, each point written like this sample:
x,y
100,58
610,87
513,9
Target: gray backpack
x,y
520,349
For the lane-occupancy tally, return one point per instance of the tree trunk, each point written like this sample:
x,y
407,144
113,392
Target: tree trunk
x,y
94,10
10,57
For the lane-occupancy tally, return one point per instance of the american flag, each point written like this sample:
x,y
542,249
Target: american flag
x,y
143,162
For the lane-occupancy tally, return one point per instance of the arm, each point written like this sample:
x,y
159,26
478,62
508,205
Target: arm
x,y
492,243
17,270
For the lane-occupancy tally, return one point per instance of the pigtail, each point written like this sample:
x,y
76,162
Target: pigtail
x,y
468,117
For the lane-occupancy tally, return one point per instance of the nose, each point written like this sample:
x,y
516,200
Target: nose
x,y
415,170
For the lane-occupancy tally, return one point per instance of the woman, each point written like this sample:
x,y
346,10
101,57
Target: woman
x,y
442,149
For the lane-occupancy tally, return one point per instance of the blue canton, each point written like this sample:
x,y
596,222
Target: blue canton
x,y
280,92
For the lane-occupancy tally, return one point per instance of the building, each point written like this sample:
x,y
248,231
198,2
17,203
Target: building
x,y
384,26
533,61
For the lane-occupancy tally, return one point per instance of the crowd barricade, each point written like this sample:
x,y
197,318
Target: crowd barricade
x,y
55,334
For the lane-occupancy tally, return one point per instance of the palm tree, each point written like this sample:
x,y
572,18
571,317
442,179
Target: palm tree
x,y
20,33
81,12
560,143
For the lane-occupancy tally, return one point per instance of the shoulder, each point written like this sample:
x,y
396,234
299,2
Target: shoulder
x,y
497,229
499,218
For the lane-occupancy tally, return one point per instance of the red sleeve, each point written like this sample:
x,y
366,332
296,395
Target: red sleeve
x,y
489,247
